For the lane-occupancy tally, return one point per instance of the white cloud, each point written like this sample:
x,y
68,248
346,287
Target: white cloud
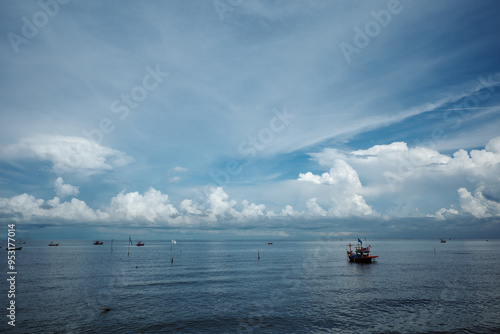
x,y
252,210
336,193
189,207
443,213
401,177
219,203
174,179
477,205
63,189
340,174
403,162
67,154
153,206
310,177
485,162
74,210
314,209
344,194
289,211
179,169
28,207
386,167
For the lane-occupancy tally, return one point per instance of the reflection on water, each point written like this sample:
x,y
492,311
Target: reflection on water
x,y
223,287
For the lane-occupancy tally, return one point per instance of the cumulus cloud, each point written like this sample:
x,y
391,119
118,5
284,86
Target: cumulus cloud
x,y
189,207
219,203
314,209
221,207
344,195
252,210
399,176
477,205
63,189
287,211
28,207
336,193
152,206
387,167
399,162
444,213
485,162
67,154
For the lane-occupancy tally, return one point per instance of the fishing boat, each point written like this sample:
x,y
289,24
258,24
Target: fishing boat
x,y
53,244
97,242
140,243
360,254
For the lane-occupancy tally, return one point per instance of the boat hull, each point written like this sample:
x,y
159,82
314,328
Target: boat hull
x,y
364,259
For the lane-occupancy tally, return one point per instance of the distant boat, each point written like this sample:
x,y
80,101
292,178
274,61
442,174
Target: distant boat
x,y
53,244
97,242
140,243
16,248
269,243
443,241
360,254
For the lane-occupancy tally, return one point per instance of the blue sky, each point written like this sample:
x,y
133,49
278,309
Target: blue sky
x,y
218,119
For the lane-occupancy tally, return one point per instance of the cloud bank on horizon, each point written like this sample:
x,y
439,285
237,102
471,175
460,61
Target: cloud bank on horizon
x,y
256,119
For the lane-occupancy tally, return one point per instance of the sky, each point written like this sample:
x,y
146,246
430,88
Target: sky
x,y
250,119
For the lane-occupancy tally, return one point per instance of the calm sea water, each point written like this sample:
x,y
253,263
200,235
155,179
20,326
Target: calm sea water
x,y
417,286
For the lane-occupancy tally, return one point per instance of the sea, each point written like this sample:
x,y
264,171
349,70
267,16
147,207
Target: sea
x,y
250,286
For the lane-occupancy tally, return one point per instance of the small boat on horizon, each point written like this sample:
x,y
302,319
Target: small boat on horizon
x,y
140,243
15,248
97,242
443,241
269,243
360,254
53,244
